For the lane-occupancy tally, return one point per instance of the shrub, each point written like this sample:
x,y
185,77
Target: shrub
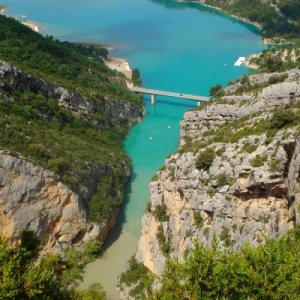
x,y
270,271
248,147
205,159
244,80
160,213
92,249
163,241
93,292
29,241
216,91
198,221
277,78
258,161
222,180
58,165
282,118
136,77
139,276
24,277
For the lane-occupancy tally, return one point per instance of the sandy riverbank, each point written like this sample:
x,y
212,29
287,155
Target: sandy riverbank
x,y
2,9
31,25
119,64
249,64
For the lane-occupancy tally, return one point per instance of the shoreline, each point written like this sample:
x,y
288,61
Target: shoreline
x,y
121,65
250,65
33,26
2,9
257,25
265,40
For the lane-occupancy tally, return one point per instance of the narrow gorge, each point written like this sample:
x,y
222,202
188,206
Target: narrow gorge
x,y
84,213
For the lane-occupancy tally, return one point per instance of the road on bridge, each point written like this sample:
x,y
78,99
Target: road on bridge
x,y
169,94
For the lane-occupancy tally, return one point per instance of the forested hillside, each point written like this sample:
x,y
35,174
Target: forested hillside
x,y
63,110
72,66
277,18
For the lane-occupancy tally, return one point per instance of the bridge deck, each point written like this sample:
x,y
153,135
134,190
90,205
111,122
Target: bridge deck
x,y
169,94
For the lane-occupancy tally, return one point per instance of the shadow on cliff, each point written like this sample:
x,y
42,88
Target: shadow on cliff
x,y
121,219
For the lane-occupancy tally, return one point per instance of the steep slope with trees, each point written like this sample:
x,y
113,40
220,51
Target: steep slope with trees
x,y
63,115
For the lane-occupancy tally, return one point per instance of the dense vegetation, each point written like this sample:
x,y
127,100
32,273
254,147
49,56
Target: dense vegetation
x,y
277,18
271,271
37,127
23,277
72,66
138,276
52,137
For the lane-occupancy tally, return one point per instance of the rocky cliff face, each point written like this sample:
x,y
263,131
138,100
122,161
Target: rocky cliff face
x,y
236,175
119,113
34,198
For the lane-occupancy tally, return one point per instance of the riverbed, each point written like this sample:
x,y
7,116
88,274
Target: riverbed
x,y
180,47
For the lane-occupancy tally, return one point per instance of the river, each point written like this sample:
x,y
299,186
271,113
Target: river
x,y
181,47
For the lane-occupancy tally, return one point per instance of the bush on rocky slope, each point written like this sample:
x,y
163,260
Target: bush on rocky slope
x,y
271,271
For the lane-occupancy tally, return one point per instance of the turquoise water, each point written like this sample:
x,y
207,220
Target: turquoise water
x,y
177,47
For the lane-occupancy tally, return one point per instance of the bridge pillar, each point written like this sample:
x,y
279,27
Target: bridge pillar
x,y
153,99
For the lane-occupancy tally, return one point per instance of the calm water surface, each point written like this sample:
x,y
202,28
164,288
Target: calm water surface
x,y
177,47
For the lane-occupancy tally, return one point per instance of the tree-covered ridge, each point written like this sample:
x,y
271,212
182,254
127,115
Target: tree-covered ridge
x,y
277,18
72,66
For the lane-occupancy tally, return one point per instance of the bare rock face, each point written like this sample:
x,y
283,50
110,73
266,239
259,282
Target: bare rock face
x,y
120,113
233,106
248,191
33,198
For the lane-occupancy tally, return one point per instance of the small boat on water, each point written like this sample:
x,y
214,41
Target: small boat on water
x,y
240,61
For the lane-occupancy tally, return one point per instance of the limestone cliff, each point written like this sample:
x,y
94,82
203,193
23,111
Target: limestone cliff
x,y
35,198
236,175
119,113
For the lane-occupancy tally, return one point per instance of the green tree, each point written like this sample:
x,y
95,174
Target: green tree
x,y
271,271
216,91
21,278
205,159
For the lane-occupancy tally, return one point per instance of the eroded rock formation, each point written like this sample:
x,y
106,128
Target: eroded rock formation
x,y
236,175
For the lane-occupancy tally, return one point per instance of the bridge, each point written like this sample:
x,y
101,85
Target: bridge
x,y
155,93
